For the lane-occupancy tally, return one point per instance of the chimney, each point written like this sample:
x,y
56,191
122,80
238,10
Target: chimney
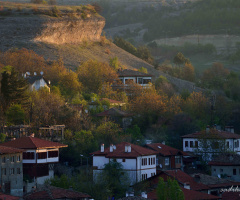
x,y
229,129
126,148
111,148
207,129
129,148
187,186
163,142
35,73
32,135
102,148
114,147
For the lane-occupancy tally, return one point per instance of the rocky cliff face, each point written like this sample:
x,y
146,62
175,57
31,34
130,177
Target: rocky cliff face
x,y
23,31
71,31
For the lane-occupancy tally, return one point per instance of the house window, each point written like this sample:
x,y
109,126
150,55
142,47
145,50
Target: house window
x,y
144,176
177,159
227,144
237,144
154,161
144,161
53,154
186,143
12,171
166,161
4,171
221,170
140,81
28,155
234,172
149,161
214,170
42,155
18,171
4,159
191,144
196,144
129,81
146,81
123,160
18,158
12,158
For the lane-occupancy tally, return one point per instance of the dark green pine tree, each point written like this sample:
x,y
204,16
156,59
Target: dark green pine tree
x,y
13,88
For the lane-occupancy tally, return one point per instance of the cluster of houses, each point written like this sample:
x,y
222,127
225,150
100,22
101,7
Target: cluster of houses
x,y
26,163
147,164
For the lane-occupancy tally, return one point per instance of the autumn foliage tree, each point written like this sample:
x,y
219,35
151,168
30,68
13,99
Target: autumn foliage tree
x,y
215,76
93,75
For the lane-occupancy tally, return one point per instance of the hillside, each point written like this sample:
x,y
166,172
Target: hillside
x,y
41,33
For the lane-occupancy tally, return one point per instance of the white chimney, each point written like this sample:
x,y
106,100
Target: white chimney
x,y
114,147
126,148
102,148
144,195
41,73
187,186
35,73
163,142
111,148
129,148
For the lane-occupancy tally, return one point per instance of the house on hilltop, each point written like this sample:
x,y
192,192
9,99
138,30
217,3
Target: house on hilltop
x,y
138,162
38,159
37,81
11,172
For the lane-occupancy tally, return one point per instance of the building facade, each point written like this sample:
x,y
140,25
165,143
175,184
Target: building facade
x,y
38,159
11,172
138,162
211,142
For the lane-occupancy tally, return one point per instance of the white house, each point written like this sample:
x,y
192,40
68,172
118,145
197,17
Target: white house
x,y
211,142
39,157
128,76
37,81
137,161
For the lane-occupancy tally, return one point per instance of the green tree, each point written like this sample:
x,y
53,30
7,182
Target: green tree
x,y
143,70
180,59
169,191
13,87
115,179
113,62
108,133
15,114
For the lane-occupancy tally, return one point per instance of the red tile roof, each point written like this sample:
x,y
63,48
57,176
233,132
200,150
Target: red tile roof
x,y
32,143
113,112
9,150
213,133
227,159
132,73
165,150
231,195
119,152
182,178
188,195
8,197
56,193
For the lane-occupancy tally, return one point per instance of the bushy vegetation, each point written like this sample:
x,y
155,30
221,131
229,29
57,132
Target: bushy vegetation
x,y
142,51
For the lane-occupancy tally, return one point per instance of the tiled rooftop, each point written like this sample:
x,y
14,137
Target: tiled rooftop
x,y
119,152
32,143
